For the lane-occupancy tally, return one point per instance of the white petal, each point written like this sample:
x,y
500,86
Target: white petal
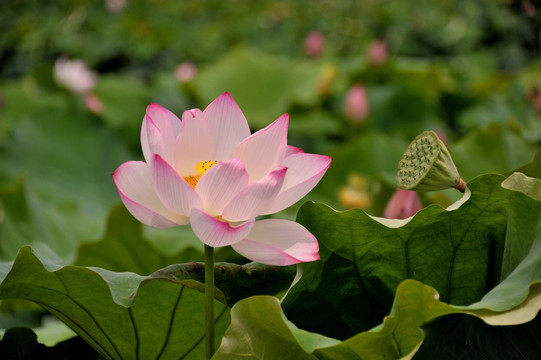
x,y
215,232
194,144
173,191
151,140
263,150
227,124
278,242
168,126
220,184
134,184
303,173
256,197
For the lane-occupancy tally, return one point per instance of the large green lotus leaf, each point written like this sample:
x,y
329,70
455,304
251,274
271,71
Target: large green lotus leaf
x,y
119,314
56,179
516,300
457,251
259,330
264,86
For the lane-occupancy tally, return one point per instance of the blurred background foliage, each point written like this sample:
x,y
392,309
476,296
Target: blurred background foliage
x,y
360,79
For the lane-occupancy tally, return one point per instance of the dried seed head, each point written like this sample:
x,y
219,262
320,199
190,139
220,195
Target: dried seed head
x,y
427,166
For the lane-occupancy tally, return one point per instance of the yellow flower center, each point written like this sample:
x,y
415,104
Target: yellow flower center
x,y
201,167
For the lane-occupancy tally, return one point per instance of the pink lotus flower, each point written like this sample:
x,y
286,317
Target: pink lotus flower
x,y
402,205
209,171
74,75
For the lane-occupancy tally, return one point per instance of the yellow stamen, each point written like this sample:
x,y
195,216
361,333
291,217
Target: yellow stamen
x,y
192,180
204,166
201,167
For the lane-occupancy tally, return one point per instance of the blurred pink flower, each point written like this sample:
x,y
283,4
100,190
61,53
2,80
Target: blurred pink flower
x,y
356,106
314,43
93,103
534,95
402,205
115,6
210,172
376,53
74,75
185,71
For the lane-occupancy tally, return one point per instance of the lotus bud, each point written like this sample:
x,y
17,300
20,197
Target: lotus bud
x,y
427,166
402,205
377,53
185,72
356,106
115,6
314,43
94,103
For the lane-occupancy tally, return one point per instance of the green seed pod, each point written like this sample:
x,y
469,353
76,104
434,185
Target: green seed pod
x,y
427,166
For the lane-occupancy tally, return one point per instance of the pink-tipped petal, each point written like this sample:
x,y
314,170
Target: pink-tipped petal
x,y
149,217
133,180
220,184
303,173
215,232
290,150
263,150
256,197
195,144
151,140
228,125
278,242
173,191
167,125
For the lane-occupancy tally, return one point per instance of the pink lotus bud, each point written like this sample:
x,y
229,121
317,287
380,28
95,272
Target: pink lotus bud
x,y
356,106
442,136
402,205
314,43
529,8
74,75
534,95
377,52
93,103
185,71
115,6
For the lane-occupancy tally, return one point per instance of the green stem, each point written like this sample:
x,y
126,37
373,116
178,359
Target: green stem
x,y
209,300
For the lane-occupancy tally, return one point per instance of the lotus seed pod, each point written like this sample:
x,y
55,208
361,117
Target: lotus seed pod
x,y
427,166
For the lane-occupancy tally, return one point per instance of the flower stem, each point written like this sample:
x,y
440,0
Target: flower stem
x,y
209,300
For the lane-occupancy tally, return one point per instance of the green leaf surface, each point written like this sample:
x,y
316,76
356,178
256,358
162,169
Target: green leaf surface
x,y
363,259
493,148
461,336
259,330
55,176
119,314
